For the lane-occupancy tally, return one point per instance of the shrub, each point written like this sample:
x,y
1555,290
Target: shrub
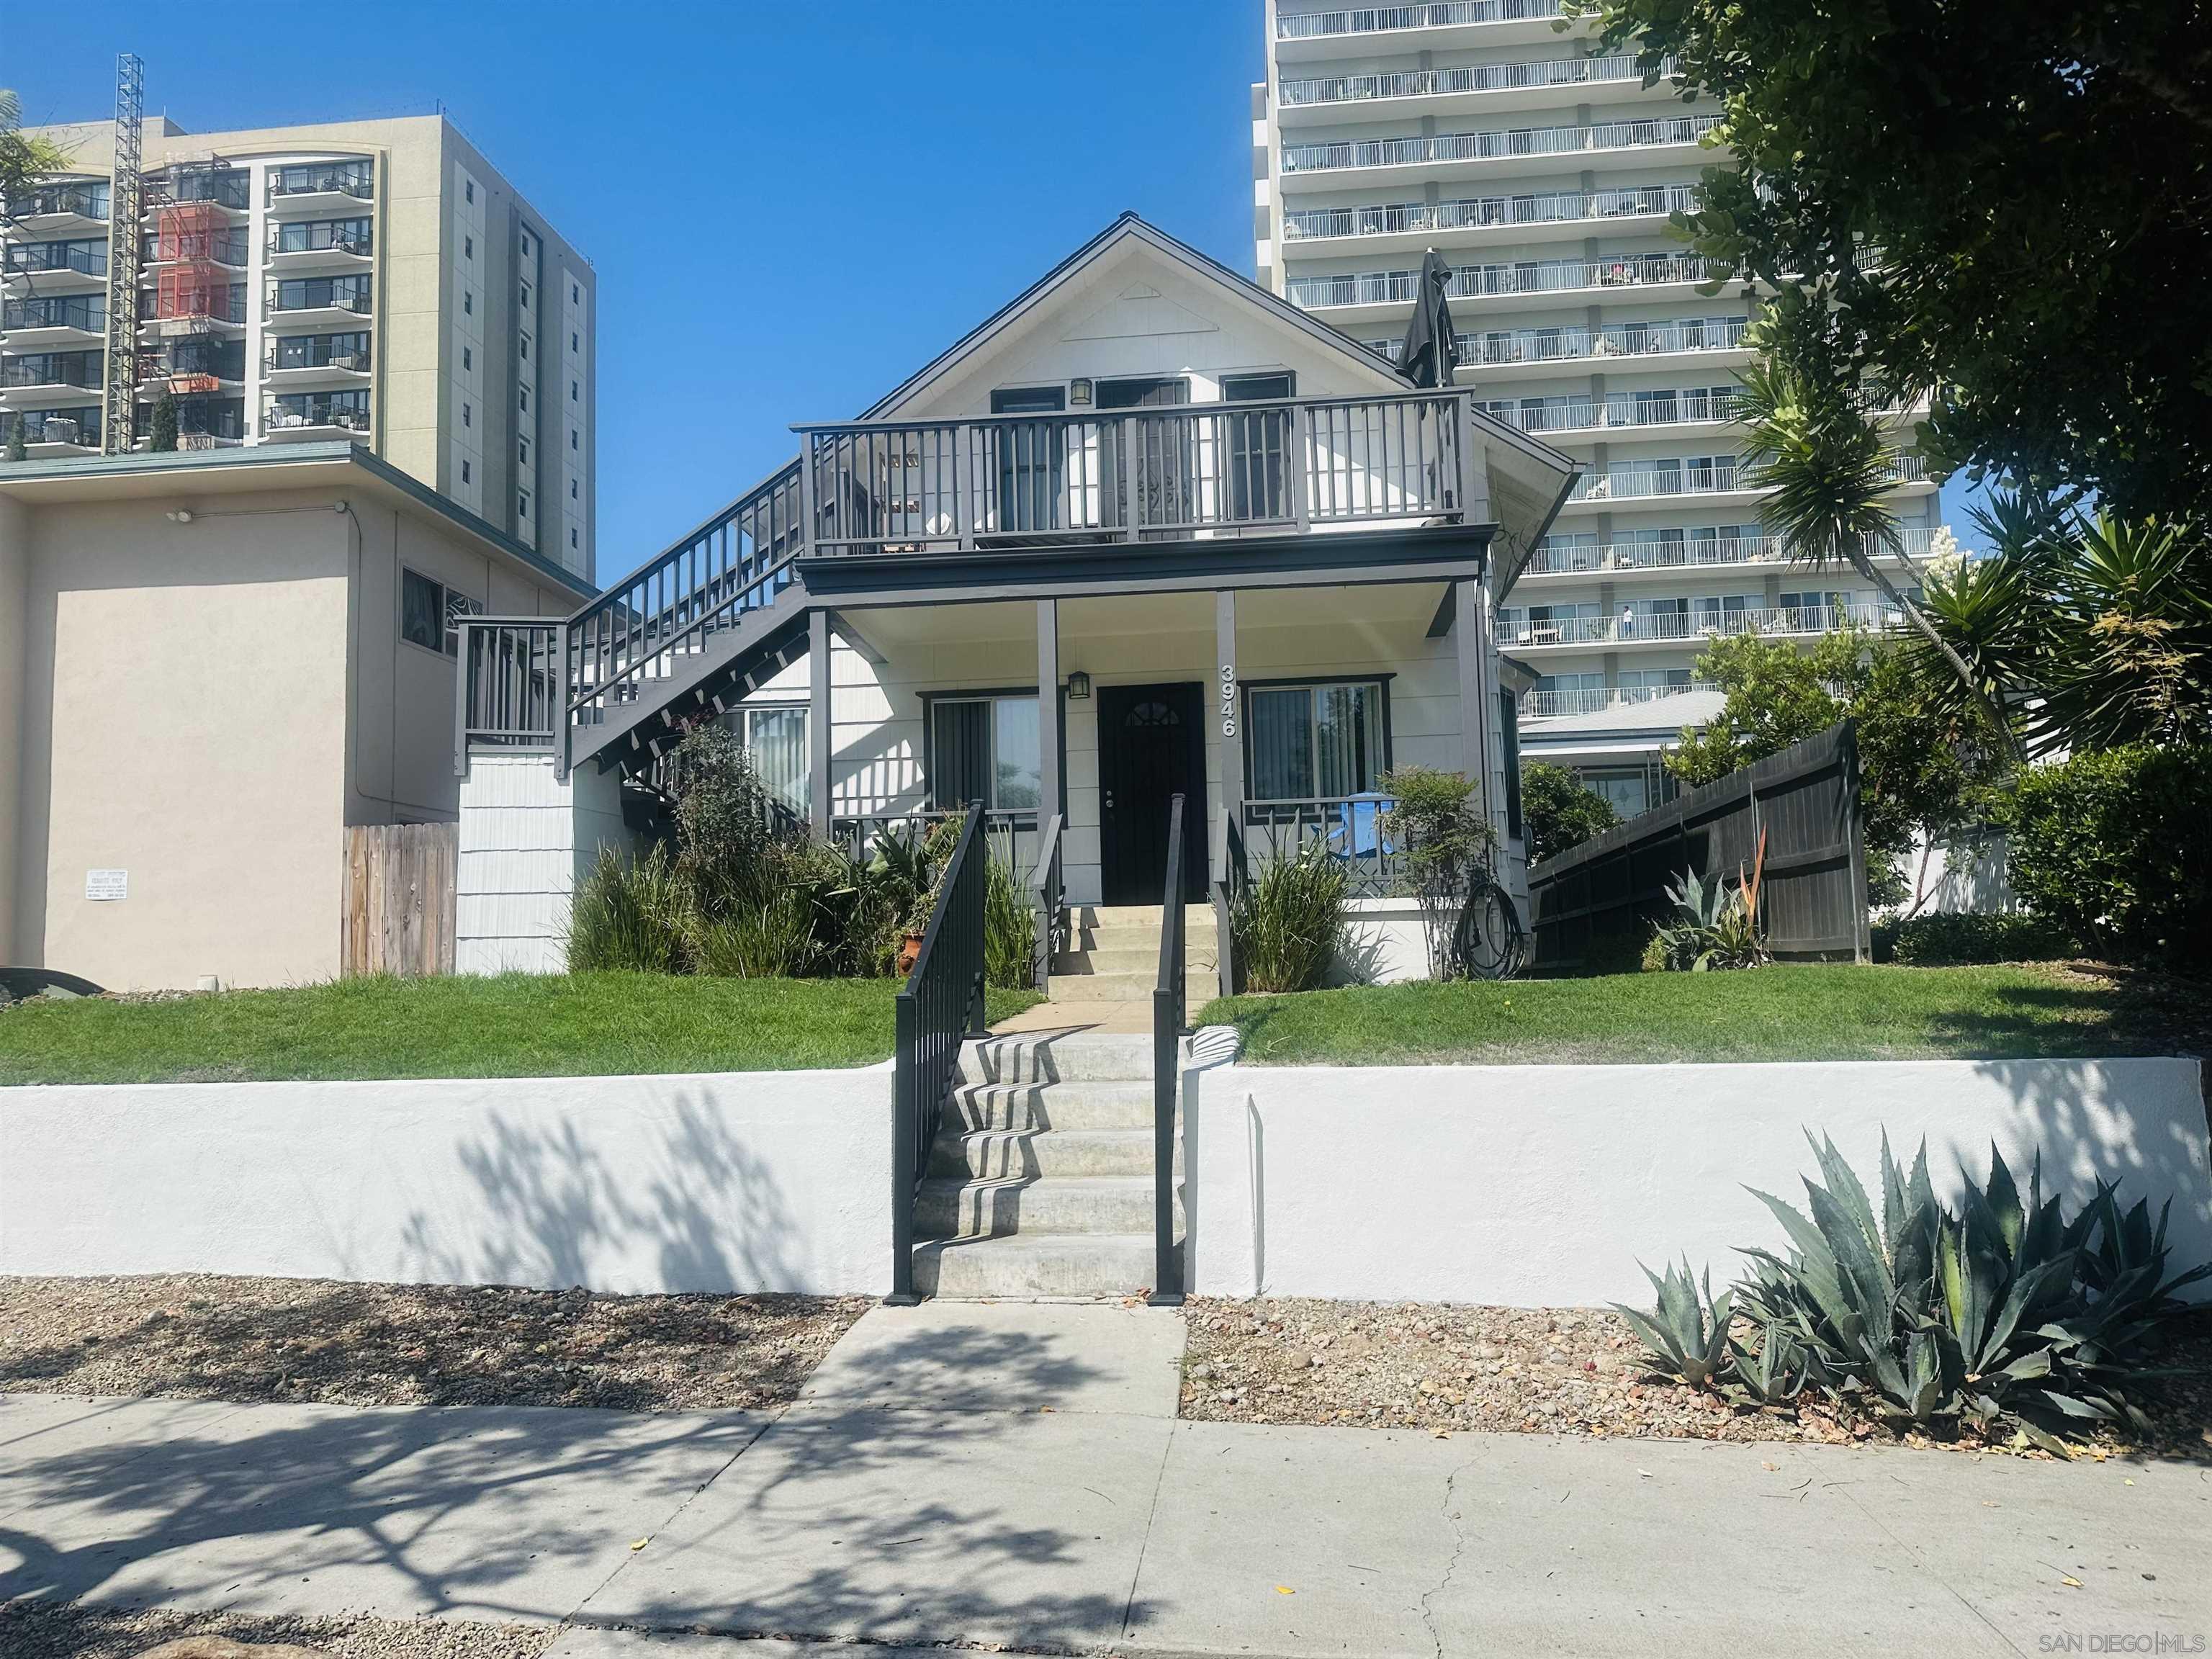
x,y
727,825
2005,1314
1942,939
629,916
2116,850
1445,841
1559,810
1009,928
1289,925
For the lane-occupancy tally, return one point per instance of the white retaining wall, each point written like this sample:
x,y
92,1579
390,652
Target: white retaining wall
x,y
1534,1186
776,1180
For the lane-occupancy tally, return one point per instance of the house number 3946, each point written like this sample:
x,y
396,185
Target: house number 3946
x,y
1227,700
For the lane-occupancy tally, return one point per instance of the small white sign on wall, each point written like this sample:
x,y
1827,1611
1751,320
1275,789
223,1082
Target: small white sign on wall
x,y
105,886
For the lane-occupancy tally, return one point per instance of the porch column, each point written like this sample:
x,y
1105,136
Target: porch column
x,y
1226,696
1471,639
817,721
1048,618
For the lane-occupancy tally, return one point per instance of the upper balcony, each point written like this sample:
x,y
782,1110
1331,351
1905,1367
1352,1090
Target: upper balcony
x,y
1698,622
1196,470
1327,165
1439,25
51,319
227,188
312,416
1343,98
67,372
1717,475
1694,552
75,262
342,358
1383,295
53,432
1566,702
58,208
299,244
1672,411
1536,351
337,186
1539,216
312,300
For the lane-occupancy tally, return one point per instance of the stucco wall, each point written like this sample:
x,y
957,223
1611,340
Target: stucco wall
x,y
776,1180
15,602
1533,1186
184,709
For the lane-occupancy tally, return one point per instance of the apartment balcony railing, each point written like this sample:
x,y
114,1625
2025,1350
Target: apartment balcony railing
x,y
86,258
87,313
77,368
1526,277
1692,553
53,426
316,295
311,237
339,409
1490,212
317,352
355,178
1466,77
86,200
1439,13
1682,407
1668,626
1716,477
1612,340
225,187
1354,155
1138,475
1596,699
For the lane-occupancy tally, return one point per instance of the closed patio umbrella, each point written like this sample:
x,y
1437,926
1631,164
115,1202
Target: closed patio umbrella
x,y
1431,351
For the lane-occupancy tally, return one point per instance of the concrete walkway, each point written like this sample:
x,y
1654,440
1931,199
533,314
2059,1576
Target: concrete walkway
x,y
1014,1475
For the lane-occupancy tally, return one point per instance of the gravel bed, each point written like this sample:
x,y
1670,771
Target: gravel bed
x,y
205,1337
1565,1370
46,1630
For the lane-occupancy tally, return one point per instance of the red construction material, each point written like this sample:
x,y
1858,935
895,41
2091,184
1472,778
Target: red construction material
x,y
201,289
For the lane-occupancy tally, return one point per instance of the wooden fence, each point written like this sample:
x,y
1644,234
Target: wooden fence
x,y
1594,905
399,904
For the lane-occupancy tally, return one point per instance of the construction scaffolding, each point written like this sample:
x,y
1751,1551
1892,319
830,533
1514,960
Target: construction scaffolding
x,y
119,413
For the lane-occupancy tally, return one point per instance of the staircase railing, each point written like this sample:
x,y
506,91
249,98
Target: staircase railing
x,y
1167,1045
940,1007
1229,868
1047,903
632,634
509,692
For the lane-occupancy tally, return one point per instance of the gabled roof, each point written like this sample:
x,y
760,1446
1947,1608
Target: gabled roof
x,y
1126,228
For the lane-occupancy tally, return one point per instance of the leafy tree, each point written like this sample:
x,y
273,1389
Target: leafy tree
x,y
17,451
2000,203
2095,632
23,161
1820,450
164,422
1923,767
1560,810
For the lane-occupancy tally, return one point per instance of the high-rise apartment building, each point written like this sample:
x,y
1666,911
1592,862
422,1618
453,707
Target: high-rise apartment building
x,y
372,281
1544,171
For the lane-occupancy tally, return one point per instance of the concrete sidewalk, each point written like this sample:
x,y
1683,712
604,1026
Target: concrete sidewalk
x,y
1015,1476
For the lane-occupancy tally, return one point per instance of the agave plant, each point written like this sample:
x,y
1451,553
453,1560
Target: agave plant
x,y
1715,925
1688,1334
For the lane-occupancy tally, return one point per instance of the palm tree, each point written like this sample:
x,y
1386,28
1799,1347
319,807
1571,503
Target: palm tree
x,y
1821,451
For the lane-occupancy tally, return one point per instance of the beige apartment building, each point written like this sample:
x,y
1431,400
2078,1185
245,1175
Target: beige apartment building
x,y
212,664
377,283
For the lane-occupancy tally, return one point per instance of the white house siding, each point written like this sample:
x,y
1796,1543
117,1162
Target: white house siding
x,y
527,838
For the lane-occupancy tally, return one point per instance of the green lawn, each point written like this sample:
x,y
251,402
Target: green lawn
x,y
1799,1013
520,1025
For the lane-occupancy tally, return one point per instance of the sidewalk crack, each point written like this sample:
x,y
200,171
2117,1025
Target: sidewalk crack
x,y
1451,1567
1914,1555
1152,1514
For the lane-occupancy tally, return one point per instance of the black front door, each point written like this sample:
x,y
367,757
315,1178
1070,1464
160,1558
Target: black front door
x,y
1151,746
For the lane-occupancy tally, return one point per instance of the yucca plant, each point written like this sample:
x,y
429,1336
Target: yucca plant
x,y
1686,1335
628,916
1288,924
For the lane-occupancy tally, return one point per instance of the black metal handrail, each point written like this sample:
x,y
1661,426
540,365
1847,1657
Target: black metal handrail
x,y
1167,1044
1047,903
940,1007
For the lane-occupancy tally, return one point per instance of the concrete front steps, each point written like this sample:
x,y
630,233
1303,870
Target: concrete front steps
x,y
1113,954
1041,1180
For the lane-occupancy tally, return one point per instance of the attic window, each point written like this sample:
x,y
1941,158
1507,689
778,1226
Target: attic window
x,y
1029,400
1258,388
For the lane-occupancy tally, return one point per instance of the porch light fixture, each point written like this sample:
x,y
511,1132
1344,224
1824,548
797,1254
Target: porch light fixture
x,y
1079,687
1078,394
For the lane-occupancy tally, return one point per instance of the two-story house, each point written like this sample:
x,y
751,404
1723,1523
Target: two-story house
x,y
1149,530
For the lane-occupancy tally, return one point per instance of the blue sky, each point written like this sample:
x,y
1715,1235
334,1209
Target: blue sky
x,y
789,206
